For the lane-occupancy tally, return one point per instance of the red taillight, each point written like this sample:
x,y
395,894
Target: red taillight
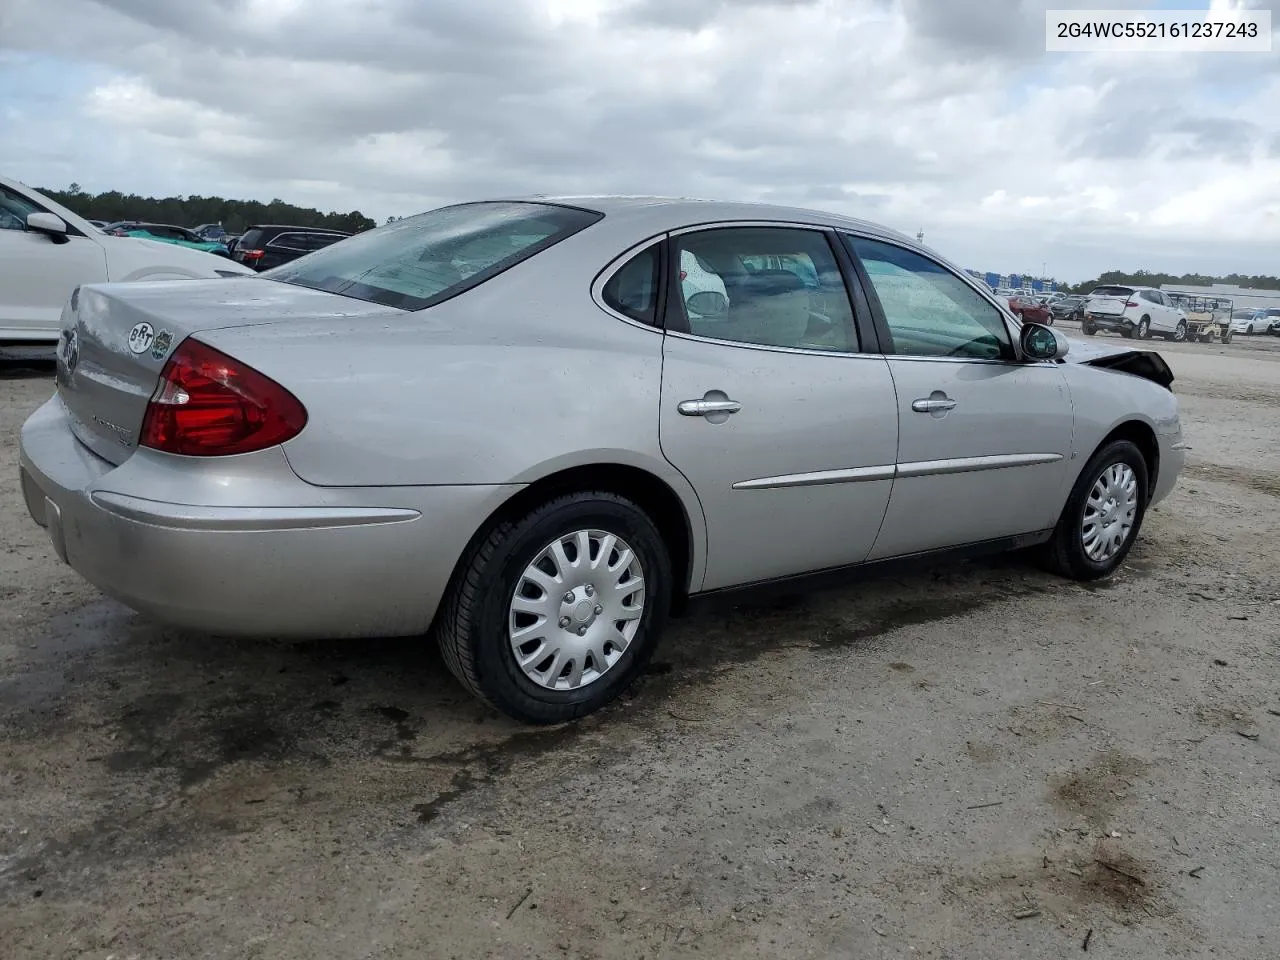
x,y
208,404
1131,303
251,254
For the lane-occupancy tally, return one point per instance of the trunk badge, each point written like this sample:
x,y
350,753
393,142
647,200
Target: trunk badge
x,y
141,336
71,354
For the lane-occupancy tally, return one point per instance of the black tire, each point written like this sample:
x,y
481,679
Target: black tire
x,y
1144,328
1226,335
1180,332
472,625
1127,333
1087,329
1248,331
1064,553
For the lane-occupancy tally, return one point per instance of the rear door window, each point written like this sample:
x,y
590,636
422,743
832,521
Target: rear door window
x,y
748,285
303,241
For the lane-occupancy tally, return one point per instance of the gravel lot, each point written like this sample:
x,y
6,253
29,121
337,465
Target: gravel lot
x,y
976,761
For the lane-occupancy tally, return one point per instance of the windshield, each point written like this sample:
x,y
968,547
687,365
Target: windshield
x,y
416,262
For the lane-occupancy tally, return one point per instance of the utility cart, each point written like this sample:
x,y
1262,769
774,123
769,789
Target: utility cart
x,y
1207,317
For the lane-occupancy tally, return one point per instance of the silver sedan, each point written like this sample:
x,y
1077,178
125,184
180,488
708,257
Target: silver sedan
x,y
534,428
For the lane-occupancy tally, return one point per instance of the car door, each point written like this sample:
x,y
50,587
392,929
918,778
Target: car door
x,y
37,273
1171,313
1154,306
984,440
784,428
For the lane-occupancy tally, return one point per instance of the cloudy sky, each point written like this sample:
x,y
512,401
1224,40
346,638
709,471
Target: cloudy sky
x,y
941,114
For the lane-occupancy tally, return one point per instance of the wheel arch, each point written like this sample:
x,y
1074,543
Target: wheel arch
x,y
679,524
1142,436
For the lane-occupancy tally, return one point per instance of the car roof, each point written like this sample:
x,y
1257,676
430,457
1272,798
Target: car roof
x,y
285,226
671,211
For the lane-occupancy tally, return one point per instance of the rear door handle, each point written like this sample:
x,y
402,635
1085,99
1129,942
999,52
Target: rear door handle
x,y
933,405
704,407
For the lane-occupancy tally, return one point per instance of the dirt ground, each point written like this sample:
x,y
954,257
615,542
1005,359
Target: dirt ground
x,y
974,761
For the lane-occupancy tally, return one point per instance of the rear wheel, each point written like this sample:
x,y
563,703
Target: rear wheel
x,y
1248,331
1226,335
1087,328
1144,328
1103,514
553,615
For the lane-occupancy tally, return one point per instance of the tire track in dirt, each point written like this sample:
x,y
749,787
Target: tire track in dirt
x,y
1260,481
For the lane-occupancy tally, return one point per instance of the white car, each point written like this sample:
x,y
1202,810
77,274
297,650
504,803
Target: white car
x,y
46,251
1133,312
1260,321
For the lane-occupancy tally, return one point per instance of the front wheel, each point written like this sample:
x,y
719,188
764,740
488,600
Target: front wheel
x,y
1087,329
1103,514
1180,331
551,616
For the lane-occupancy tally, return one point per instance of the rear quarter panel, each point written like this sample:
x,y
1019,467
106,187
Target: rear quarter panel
x,y
517,379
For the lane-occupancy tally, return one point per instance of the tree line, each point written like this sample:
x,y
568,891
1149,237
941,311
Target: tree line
x,y
234,215
1146,278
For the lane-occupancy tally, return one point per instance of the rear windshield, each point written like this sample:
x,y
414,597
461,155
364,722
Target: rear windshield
x,y
1110,292
418,261
251,239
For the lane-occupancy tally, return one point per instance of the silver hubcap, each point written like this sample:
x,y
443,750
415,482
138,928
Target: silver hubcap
x,y
576,609
1109,512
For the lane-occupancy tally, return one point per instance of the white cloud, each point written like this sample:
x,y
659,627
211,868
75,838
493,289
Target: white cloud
x,y
916,113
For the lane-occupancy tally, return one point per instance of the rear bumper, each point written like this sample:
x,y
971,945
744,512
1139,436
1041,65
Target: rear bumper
x,y
1109,321
268,556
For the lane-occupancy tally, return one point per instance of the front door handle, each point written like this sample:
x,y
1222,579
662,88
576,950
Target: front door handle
x,y
933,405
705,407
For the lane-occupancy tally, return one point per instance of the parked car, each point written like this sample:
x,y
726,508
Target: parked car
x,y
1069,307
502,422
46,251
1259,321
211,231
1133,312
1030,310
265,246
165,233
100,224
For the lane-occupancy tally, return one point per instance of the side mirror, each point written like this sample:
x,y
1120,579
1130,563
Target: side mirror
x,y
1042,343
51,225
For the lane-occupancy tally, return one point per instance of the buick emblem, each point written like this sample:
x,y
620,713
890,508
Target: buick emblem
x,y
71,355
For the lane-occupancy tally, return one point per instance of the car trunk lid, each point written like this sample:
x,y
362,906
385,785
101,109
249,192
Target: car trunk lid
x,y
1109,301
116,339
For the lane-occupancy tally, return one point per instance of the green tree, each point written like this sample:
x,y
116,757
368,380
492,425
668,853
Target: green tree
x,y
234,215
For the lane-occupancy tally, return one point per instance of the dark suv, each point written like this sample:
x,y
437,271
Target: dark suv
x,y
263,247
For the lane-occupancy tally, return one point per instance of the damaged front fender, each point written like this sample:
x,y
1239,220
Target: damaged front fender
x,y
1140,363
